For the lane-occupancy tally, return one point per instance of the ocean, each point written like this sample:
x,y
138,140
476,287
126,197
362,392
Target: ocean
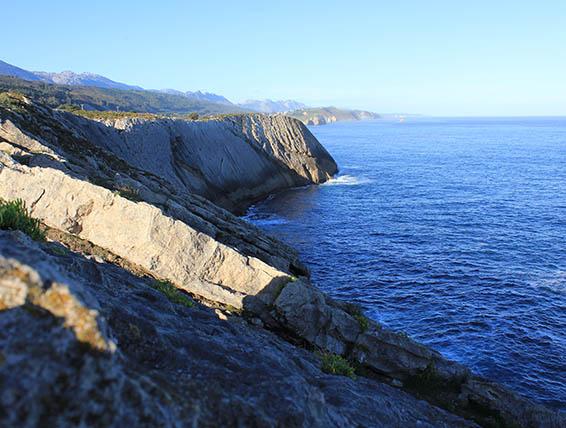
x,y
452,230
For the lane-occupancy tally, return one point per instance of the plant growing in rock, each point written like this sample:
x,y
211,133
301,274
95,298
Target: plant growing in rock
x,y
172,293
337,365
15,216
362,321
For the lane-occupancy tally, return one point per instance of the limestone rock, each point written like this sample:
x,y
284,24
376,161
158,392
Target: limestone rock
x,y
37,136
231,160
316,318
140,233
173,366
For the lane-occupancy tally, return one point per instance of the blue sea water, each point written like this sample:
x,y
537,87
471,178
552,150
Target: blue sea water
x,y
453,230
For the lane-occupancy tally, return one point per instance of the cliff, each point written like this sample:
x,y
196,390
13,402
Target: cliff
x,y
231,160
325,115
151,305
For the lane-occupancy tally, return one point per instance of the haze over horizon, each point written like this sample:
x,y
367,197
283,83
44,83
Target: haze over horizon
x,y
438,58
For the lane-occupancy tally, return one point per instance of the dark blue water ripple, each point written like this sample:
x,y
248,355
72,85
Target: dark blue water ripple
x,y
451,230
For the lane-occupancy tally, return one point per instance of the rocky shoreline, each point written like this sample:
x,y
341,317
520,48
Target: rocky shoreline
x,y
137,209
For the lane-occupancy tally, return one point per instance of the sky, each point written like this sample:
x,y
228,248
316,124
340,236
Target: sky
x,y
446,58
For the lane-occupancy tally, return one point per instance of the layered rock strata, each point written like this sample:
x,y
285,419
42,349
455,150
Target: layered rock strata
x,y
140,360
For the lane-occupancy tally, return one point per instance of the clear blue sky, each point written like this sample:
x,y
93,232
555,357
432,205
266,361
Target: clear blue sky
x,y
454,57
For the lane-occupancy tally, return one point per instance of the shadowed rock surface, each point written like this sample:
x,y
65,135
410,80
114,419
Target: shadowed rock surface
x,y
138,217
162,364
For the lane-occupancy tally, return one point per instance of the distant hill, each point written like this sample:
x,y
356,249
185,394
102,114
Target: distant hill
x,y
82,79
11,70
269,106
109,99
324,115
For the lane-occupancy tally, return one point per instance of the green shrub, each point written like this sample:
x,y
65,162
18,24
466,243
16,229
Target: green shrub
x,y
172,293
14,216
337,365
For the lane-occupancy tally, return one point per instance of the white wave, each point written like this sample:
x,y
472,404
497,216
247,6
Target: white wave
x,y
273,221
347,180
259,219
554,280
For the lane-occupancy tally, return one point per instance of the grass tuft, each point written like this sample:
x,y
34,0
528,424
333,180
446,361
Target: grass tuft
x,y
337,365
172,293
362,321
15,216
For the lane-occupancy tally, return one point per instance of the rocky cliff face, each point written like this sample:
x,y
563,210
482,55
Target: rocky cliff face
x,y
125,201
231,160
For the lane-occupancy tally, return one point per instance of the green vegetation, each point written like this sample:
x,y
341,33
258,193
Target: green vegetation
x,y
12,100
58,250
280,287
337,365
108,115
15,216
362,321
103,99
173,294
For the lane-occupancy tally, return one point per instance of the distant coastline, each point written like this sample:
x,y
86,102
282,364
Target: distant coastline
x,y
325,115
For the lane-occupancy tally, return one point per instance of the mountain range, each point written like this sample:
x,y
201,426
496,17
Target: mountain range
x,y
95,92
269,106
197,95
71,78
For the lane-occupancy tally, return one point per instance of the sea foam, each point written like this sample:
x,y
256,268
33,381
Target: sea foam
x,y
347,180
